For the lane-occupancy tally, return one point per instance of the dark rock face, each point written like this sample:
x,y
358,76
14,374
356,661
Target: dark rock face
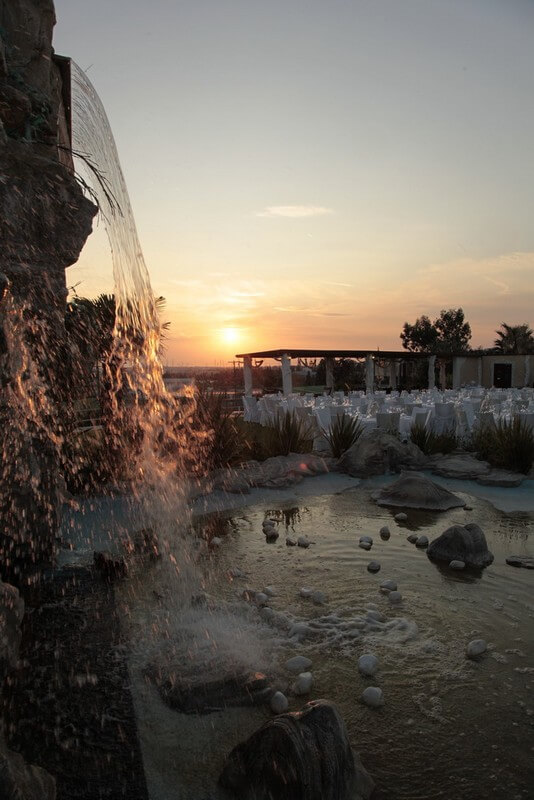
x,y
298,756
111,567
459,543
11,614
381,453
417,491
45,220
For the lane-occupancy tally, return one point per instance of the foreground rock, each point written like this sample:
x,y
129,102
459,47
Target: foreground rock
x,y
273,473
460,465
461,543
501,477
22,781
416,491
381,453
299,756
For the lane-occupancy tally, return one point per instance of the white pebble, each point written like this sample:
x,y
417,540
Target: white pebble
x,y
368,664
373,566
306,591
302,541
373,697
394,597
216,542
388,586
303,684
457,564
401,517
476,648
270,591
298,664
422,541
279,703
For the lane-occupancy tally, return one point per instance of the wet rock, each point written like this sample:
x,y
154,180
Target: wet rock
x,y
373,697
261,599
412,538
460,465
22,781
298,664
11,614
421,541
145,542
319,598
457,565
394,597
193,691
476,648
501,477
303,684
385,533
365,542
111,567
401,517
413,490
299,756
302,541
374,615
306,591
270,591
461,543
271,534
521,561
279,703
373,566
368,664
388,586
291,541
380,453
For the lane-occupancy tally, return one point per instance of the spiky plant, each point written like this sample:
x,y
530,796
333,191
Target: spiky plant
x,y
343,433
287,434
430,443
507,445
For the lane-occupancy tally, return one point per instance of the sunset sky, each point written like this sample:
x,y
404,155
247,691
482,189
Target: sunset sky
x,y
313,173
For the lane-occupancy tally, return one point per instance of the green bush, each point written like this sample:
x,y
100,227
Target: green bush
x,y
430,442
344,432
507,445
218,437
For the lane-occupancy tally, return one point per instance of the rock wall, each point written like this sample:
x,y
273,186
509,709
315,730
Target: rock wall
x,y
45,221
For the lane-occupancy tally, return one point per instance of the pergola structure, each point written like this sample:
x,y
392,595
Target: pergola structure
x,y
284,356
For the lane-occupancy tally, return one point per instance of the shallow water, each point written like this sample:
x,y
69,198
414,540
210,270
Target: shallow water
x,y
449,727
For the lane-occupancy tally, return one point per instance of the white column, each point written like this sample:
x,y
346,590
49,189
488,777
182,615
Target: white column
x,y
287,384
393,374
479,371
247,375
442,375
369,374
432,372
457,363
329,369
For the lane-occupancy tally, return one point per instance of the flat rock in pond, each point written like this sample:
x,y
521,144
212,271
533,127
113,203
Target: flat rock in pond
x,y
291,757
461,543
380,453
413,490
521,561
460,465
500,477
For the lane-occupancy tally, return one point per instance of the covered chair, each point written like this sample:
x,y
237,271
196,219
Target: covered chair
x,y
251,412
444,418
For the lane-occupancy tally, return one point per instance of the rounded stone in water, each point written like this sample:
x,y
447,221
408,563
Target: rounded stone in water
x,y
279,703
385,533
373,566
476,648
394,597
368,664
388,586
461,543
303,684
421,541
414,490
302,541
373,697
298,664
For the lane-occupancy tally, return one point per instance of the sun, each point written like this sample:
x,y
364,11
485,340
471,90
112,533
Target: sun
x,y
230,335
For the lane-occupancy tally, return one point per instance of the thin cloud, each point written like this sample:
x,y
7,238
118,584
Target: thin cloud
x,y
504,288
335,283
295,212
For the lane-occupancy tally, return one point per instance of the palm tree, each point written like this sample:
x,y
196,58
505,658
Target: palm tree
x,y
514,339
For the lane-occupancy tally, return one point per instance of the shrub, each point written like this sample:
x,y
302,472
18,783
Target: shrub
x,y
287,434
507,445
430,442
344,432
220,442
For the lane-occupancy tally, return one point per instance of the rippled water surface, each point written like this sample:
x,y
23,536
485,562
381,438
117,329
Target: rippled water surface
x,y
450,727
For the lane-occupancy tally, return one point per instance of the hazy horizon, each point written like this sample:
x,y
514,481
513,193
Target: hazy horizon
x,y
312,174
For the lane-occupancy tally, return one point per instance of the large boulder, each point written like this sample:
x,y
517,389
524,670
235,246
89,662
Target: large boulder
x,y
298,756
381,453
22,781
11,613
413,490
461,543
